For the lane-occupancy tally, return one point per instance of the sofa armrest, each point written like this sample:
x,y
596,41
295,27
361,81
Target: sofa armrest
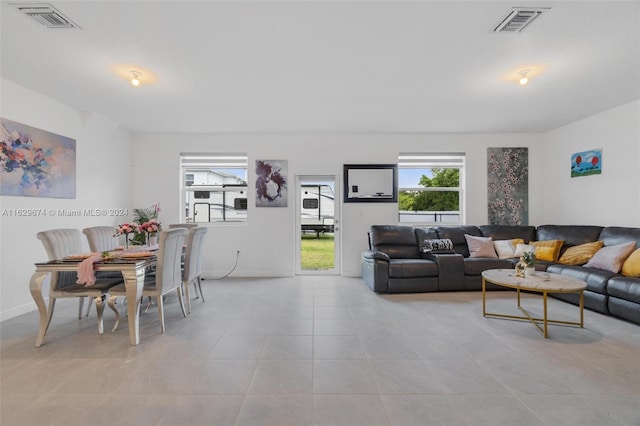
x,y
372,254
451,267
375,270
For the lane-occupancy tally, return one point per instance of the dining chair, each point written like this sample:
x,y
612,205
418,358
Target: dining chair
x,y
101,238
167,278
58,244
193,264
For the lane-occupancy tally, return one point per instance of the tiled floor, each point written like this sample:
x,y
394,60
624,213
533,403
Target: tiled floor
x,y
320,350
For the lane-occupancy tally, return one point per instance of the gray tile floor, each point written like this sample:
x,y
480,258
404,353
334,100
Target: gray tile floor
x,y
322,350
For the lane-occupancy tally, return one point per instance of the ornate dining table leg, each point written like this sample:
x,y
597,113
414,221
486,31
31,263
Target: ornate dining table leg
x,y
134,283
35,285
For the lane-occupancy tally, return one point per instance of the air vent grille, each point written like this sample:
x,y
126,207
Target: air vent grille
x,y
46,15
518,20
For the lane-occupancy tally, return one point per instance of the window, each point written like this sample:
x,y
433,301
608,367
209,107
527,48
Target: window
x,y
430,188
214,187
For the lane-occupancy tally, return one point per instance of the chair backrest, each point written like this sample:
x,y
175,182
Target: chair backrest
x,y
60,243
168,270
101,238
193,256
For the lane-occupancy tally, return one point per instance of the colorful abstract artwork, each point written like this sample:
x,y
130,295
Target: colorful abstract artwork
x,y
36,163
271,183
586,163
508,186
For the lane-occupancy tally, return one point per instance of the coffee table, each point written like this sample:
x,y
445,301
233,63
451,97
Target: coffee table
x,y
540,282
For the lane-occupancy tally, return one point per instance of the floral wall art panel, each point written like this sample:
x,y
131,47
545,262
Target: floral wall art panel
x,y
586,163
271,183
36,163
508,186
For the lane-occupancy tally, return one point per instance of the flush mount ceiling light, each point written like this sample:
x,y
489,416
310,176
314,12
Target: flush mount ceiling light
x,y
135,78
524,77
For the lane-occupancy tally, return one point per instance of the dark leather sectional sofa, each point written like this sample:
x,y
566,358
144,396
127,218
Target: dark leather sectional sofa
x,y
395,262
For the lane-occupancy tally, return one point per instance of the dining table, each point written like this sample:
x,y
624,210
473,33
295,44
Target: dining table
x,y
133,271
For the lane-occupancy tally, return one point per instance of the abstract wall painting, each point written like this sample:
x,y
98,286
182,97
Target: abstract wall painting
x,y
36,163
271,183
508,186
586,163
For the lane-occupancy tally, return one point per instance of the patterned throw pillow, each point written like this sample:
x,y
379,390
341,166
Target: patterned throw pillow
x,y
580,254
507,248
442,245
556,244
480,246
611,258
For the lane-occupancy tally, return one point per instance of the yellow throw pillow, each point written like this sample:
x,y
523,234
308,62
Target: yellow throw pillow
x,y
545,253
631,266
580,254
556,244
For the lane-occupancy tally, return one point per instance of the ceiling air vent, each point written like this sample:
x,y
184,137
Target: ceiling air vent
x,y
518,20
46,15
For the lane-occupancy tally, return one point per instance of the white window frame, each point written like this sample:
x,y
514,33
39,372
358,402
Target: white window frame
x,y
202,163
429,161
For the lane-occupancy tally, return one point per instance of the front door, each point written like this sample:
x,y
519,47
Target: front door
x,y
317,225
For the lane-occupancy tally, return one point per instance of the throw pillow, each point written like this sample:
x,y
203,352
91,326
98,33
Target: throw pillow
x,y
480,246
631,266
580,254
556,244
521,248
611,258
507,248
545,253
441,245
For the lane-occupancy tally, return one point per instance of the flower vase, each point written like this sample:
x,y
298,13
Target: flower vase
x,y
530,271
126,242
152,239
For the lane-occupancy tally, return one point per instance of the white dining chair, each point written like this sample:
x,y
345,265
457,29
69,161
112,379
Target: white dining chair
x,y
101,238
193,263
167,278
58,244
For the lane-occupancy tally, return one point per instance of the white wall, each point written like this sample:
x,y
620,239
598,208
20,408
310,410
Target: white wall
x,y
611,198
103,170
266,242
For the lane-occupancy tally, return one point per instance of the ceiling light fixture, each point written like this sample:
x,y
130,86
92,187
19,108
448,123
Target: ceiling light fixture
x,y
135,78
524,77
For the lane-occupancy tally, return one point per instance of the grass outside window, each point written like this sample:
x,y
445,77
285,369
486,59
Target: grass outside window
x,y
317,252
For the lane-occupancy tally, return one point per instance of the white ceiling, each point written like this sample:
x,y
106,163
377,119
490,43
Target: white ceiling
x,y
329,66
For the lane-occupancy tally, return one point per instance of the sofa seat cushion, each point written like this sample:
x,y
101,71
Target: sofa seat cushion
x,y
596,279
476,265
412,268
624,288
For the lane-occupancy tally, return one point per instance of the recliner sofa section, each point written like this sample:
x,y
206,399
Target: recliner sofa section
x,y
395,263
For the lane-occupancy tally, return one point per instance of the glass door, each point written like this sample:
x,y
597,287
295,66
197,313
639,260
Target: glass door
x,y
317,225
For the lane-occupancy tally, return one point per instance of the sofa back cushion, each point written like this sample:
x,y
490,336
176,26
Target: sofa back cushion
x,y
508,232
572,235
397,241
616,235
456,235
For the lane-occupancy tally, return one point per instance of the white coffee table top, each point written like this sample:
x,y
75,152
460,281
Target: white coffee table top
x,y
540,281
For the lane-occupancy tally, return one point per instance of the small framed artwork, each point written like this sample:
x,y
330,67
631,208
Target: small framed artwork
x,y
370,183
586,163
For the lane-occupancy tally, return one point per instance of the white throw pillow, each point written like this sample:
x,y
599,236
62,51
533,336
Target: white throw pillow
x,y
521,248
480,246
